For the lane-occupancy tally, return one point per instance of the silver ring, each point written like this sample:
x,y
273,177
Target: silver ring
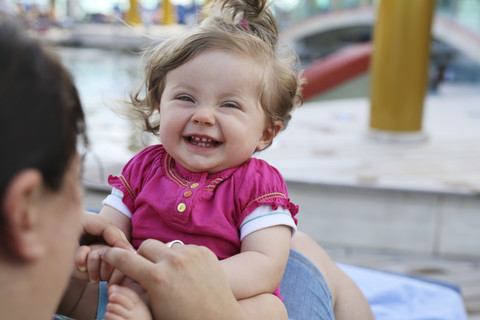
x,y
170,244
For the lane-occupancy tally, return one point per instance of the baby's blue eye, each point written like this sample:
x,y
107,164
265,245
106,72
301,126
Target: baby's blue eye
x,y
231,105
185,98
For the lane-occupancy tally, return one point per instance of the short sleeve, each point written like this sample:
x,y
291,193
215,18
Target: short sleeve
x,y
258,184
115,200
137,172
263,217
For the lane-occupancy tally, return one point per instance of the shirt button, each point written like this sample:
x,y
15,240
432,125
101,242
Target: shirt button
x,y
181,207
187,194
194,185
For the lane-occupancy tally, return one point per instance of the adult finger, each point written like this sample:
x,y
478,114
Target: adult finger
x,y
106,272
97,226
116,277
155,250
130,264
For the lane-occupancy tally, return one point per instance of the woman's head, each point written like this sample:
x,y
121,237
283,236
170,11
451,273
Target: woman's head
x,y
40,112
41,121
245,28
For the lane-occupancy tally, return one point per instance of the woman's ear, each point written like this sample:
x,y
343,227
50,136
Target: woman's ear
x,y
21,215
269,134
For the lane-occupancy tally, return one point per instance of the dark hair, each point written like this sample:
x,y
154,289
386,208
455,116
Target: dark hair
x,y
245,27
41,117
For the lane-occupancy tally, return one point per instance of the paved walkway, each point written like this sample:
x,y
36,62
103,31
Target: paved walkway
x,y
330,143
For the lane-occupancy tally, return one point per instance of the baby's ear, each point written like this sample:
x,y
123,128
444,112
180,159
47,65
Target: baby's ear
x,y
270,132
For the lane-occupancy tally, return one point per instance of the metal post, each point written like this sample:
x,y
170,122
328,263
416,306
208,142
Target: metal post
x,y
399,68
168,13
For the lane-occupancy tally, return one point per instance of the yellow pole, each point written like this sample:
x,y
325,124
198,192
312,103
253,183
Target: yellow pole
x,y
133,16
168,13
399,66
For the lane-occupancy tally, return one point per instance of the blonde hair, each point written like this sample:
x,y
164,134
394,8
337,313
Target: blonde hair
x,y
245,27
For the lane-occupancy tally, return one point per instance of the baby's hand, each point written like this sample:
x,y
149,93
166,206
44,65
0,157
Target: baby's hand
x,y
90,266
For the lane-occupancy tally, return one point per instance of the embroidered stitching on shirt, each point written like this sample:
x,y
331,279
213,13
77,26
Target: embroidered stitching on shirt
x,y
170,171
268,196
127,187
211,186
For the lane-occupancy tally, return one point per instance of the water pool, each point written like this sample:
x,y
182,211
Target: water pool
x,y
104,78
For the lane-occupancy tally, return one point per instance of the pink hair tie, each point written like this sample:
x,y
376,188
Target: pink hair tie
x,y
244,24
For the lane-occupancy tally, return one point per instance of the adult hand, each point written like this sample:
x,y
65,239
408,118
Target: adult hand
x,y
97,232
96,229
183,282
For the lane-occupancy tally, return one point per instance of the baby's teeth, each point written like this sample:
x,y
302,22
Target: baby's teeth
x,y
202,142
202,139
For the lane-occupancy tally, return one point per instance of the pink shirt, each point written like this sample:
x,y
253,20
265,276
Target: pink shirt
x,y
169,202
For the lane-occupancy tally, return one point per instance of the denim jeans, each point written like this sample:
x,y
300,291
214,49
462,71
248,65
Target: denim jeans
x,y
304,290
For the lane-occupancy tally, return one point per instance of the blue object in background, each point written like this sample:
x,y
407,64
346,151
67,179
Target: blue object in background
x,y
400,297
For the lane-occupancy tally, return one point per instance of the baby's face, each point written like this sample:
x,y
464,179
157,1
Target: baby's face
x,y
210,113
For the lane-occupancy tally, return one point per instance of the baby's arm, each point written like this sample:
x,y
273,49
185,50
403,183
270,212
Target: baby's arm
x,y
120,220
87,258
257,270
260,265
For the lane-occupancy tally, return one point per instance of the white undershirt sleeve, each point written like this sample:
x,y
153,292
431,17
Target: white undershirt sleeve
x,y
114,200
263,217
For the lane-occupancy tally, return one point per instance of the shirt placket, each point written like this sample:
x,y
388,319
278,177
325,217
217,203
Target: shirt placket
x,y
185,200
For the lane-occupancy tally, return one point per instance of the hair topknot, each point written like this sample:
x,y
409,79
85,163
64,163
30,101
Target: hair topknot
x,y
255,13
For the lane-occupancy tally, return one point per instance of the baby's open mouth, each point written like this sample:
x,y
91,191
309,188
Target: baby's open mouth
x,y
203,142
